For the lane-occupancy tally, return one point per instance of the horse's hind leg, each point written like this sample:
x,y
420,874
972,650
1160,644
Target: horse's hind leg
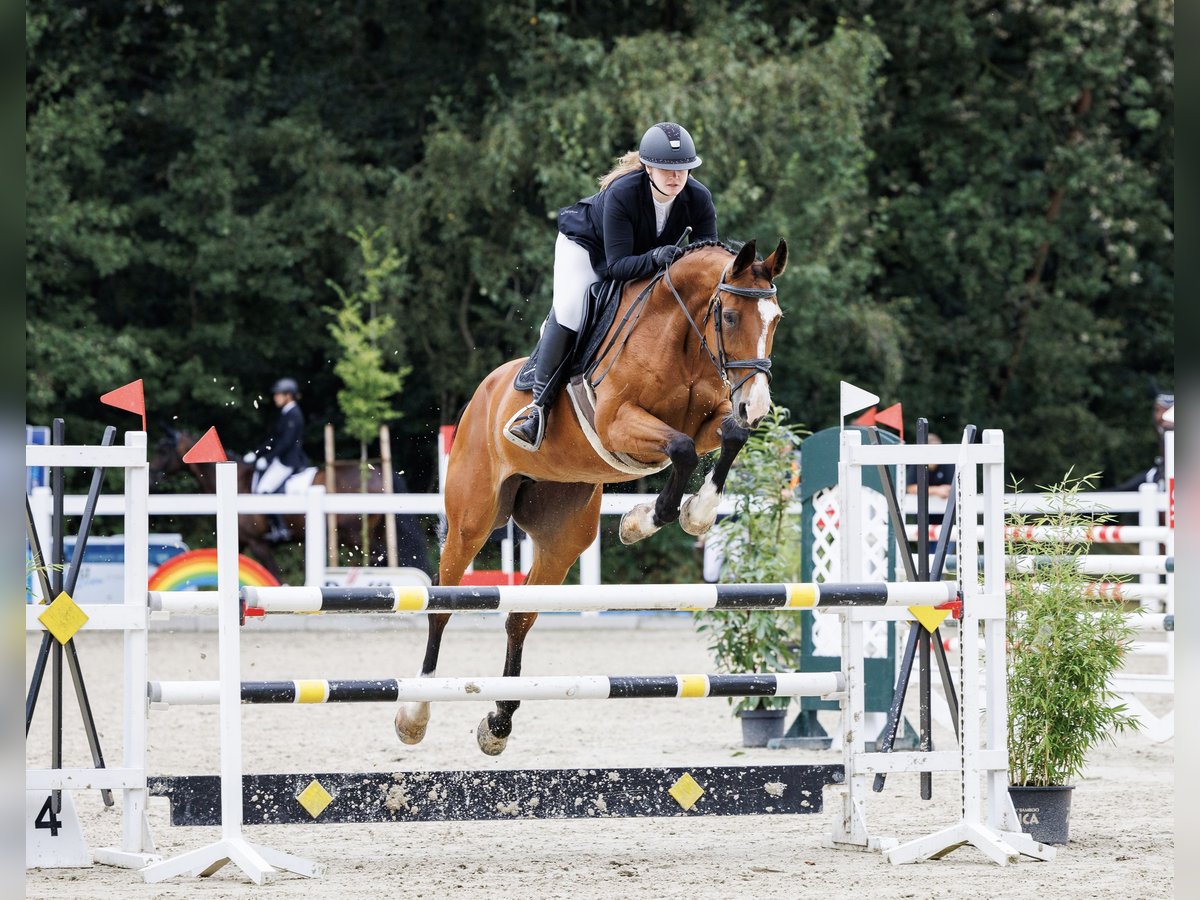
x,y
469,520
562,520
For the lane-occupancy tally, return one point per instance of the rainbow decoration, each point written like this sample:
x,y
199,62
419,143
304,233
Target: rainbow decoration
x,y
197,569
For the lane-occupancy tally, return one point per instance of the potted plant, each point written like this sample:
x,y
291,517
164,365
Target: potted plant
x,y
758,545
1064,644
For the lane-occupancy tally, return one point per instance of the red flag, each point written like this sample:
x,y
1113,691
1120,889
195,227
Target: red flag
x,y
893,418
867,418
129,398
207,449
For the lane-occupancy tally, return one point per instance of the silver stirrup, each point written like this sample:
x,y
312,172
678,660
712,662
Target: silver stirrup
x,y
537,441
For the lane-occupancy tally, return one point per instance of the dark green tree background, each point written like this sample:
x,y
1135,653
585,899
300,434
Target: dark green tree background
x,y
978,198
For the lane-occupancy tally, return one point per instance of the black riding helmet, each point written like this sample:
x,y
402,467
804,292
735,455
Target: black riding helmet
x,y
286,386
668,146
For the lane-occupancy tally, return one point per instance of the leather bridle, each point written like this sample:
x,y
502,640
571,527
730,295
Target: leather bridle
x,y
720,359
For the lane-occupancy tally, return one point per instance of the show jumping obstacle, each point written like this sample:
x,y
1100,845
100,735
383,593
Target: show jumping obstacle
x,y
987,820
552,687
1093,534
571,598
1087,564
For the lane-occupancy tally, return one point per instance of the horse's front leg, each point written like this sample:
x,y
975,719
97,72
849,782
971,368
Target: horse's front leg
x,y
494,728
413,717
644,519
699,511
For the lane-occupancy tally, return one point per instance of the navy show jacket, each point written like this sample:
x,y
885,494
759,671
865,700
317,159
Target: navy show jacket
x,y
616,225
286,440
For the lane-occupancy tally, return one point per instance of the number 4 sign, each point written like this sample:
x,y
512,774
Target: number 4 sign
x,y
53,840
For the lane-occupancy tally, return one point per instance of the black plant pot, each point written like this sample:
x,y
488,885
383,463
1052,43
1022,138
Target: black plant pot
x,y
1044,812
761,725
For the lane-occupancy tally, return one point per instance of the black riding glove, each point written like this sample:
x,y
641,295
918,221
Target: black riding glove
x,y
664,256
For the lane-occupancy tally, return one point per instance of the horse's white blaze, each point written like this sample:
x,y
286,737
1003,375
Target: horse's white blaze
x,y
756,393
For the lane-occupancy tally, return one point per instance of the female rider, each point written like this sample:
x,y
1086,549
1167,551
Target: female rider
x,y
627,230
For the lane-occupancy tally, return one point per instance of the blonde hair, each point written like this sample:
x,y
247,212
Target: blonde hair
x,y
630,162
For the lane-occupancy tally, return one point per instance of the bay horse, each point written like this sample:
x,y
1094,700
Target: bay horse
x,y
411,547
686,370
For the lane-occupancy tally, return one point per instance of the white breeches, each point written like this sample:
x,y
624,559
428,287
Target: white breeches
x,y
271,478
573,275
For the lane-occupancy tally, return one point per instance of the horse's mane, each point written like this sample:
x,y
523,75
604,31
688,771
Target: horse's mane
x,y
731,248
700,245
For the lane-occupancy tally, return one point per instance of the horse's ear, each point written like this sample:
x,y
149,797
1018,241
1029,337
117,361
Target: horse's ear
x,y
777,261
745,259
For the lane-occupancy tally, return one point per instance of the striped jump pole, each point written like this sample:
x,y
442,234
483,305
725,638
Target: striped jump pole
x,y
1093,534
1152,621
1118,590
1086,565
581,598
1114,590
1140,621
561,687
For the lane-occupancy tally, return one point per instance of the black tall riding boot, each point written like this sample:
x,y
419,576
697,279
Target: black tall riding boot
x,y
527,427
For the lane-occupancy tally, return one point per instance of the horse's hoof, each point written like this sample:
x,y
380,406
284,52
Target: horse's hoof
x,y
411,724
692,519
637,524
488,742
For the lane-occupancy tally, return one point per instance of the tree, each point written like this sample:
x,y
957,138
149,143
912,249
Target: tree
x,y
359,329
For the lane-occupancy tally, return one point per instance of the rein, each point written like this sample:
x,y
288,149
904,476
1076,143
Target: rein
x,y
720,359
722,362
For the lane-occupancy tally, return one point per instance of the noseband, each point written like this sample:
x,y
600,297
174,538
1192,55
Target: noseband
x,y
720,359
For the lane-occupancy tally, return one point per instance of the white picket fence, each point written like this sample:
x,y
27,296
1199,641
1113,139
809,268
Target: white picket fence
x,y
1148,504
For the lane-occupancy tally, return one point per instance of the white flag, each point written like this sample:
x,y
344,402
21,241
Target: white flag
x,y
855,398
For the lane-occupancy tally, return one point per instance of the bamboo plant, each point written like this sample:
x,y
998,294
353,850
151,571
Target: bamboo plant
x,y
1064,644
760,545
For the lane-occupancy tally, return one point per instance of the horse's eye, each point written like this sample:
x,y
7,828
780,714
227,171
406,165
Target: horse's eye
x,y
730,318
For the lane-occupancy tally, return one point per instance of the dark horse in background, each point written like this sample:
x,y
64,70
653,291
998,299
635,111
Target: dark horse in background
x,y
687,376
410,541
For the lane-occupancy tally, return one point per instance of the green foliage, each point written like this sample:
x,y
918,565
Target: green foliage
x,y
760,545
979,203
1064,645
1024,184
359,331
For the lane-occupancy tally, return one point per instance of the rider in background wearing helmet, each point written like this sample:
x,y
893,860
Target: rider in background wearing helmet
x,y
628,230
281,454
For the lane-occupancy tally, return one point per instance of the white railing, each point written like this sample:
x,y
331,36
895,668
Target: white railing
x,y
1147,503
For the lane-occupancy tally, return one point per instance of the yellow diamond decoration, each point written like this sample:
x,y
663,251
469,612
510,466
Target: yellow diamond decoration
x,y
63,618
314,798
686,791
929,616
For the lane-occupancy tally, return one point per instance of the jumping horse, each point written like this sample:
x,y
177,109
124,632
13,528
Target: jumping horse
x,y
168,459
685,370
